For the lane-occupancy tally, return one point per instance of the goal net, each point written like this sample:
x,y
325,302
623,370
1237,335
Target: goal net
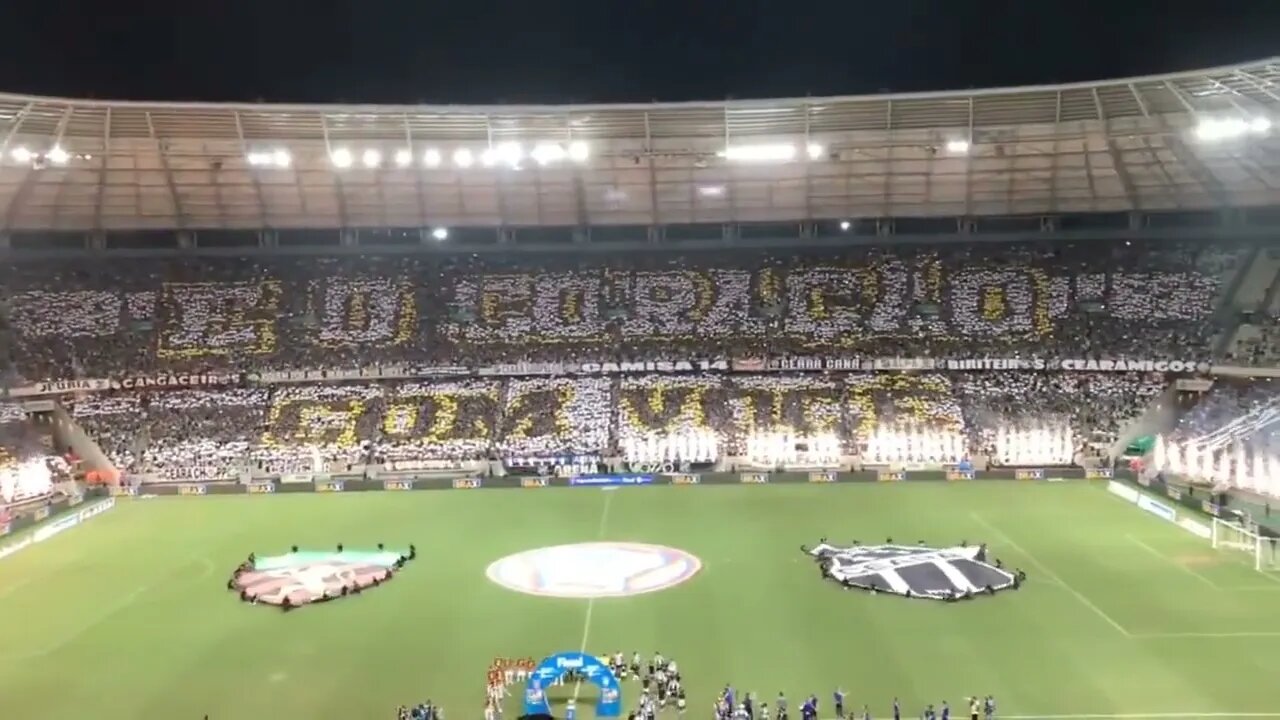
x,y
1246,539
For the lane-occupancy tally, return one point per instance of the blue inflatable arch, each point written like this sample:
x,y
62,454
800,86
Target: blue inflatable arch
x,y
588,667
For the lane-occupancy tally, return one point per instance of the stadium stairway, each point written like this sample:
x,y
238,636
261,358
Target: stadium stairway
x,y
1160,417
1253,289
68,434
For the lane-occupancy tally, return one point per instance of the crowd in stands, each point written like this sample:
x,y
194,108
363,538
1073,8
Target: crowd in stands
x,y
1229,437
110,318
401,316
792,419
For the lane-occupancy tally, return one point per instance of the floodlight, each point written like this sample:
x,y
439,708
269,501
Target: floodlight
x,y
505,153
845,224
711,190
57,155
547,153
440,233
282,158
403,158
1215,129
579,151
958,147
371,158
1260,125
462,157
815,151
431,158
21,154
341,158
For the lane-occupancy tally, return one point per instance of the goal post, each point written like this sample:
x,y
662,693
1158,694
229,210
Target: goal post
x,y
1240,538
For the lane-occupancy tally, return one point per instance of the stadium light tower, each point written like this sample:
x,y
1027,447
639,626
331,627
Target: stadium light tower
x,y
578,151
958,146
57,155
431,158
440,233
403,158
21,154
463,158
371,158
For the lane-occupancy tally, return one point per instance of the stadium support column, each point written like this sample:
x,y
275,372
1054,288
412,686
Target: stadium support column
x,y
5,242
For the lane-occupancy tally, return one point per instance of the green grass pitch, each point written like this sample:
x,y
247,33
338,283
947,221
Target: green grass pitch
x,y
1123,615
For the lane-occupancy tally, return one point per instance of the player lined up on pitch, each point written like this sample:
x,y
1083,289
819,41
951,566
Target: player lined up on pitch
x,y
729,706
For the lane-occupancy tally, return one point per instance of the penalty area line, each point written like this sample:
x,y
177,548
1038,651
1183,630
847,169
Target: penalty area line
x,y
591,601
1054,577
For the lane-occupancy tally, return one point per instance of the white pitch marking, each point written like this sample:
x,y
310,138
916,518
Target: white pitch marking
x,y
591,602
1188,570
1052,575
1243,634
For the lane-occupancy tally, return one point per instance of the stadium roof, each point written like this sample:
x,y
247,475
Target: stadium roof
x,y
1192,140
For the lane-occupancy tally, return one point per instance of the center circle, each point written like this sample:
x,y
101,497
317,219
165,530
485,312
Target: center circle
x,y
594,570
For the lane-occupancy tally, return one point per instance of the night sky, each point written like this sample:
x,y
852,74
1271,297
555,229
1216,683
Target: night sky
x,y
485,51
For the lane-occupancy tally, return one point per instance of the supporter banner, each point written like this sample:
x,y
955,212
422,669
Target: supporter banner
x,y
1028,474
605,368
823,476
1194,384
890,476
329,486
524,368
61,387
381,372
466,483
611,480
196,472
409,465
182,380
754,478
796,363
192,489
954,475
684,479
260,488
397,485
534,482
1076,364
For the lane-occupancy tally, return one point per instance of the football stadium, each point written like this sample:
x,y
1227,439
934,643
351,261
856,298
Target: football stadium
x,y
888,406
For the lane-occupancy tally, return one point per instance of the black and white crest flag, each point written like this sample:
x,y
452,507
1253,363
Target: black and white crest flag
x,y
915,571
